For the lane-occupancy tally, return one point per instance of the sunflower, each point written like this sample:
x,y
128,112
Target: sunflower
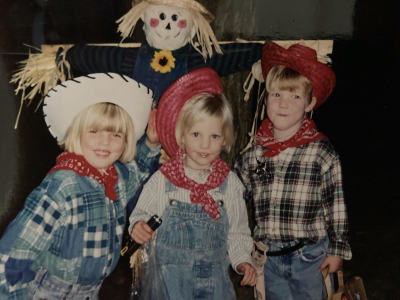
x,y
163,61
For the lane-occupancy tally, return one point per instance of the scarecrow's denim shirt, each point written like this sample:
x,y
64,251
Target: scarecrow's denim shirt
x,y
70,228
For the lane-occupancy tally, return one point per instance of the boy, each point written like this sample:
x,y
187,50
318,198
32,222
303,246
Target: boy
x,y
293,175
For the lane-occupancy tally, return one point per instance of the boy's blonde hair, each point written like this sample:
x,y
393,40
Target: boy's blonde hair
x,y
288,79
101,116
202,106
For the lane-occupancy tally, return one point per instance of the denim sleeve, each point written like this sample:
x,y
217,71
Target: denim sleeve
x,y
146,162
26,237
147,158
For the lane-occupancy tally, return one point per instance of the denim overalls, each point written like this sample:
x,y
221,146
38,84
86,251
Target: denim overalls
x,y
191,249
48,287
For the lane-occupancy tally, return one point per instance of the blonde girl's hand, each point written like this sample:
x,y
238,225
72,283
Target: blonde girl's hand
x,y
151,132
141,232
249,274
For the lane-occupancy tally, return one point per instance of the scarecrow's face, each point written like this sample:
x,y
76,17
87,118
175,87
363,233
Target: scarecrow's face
x,y
167,27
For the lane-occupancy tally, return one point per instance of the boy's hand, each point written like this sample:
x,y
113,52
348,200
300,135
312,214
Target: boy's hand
x,y
141,232
250,274
151,132
333,263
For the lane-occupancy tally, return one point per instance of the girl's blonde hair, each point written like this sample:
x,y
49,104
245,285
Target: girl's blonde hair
x,y
288,79
205,105
101,116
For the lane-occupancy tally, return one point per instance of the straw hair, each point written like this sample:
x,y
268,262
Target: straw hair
x,y
39,73
128,21
205,38
190,4
102,116
203,106
303,60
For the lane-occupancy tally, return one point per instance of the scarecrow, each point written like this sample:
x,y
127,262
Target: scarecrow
x,y
179,39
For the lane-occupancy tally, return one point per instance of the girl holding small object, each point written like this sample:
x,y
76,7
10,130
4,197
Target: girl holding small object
x,y
198,197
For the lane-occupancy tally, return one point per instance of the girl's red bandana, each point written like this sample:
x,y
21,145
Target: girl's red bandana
x,y
174,171
307,133
78,164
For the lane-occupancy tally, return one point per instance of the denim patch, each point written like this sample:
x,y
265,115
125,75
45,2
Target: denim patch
x,y
18,270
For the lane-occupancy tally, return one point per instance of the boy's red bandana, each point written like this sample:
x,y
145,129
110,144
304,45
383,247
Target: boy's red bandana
x,y
78,164
174,171
307,133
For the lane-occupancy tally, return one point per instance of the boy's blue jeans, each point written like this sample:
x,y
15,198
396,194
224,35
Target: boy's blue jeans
x,y
295,276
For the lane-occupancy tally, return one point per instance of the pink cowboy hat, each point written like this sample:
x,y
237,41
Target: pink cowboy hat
x,y
175,96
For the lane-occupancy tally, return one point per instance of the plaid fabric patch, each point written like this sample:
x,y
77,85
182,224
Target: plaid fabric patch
x,y
3,260
96,241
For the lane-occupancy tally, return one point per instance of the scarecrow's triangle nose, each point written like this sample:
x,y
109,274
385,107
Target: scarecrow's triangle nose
x,y
168,27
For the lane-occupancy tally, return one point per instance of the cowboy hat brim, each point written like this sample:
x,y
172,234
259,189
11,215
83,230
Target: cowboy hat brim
x,y
67,99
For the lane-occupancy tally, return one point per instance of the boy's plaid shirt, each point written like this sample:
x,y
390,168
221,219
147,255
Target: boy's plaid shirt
x,y
297,194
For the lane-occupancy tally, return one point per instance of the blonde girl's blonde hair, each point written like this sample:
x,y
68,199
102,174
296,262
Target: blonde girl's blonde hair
x,y
201,106
101,116
288,79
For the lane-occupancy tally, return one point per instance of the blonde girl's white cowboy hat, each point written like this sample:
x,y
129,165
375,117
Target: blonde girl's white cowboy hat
x,y
67,99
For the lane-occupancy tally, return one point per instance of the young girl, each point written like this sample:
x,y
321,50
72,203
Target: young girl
x,y
67,237
197,196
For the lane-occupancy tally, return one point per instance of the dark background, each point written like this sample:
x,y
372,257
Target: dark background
x,y
360,117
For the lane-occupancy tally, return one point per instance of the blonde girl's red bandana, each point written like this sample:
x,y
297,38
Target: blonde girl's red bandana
x,y
78,164
174,171
307,133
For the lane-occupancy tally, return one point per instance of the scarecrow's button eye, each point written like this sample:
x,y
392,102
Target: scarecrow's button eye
x,y
174,17
162,16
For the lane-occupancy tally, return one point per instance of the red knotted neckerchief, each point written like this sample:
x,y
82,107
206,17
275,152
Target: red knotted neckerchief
x,y
78,164
307,133
174,171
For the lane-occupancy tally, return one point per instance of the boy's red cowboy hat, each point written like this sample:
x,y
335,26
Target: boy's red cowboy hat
x,y
175,96
303,60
